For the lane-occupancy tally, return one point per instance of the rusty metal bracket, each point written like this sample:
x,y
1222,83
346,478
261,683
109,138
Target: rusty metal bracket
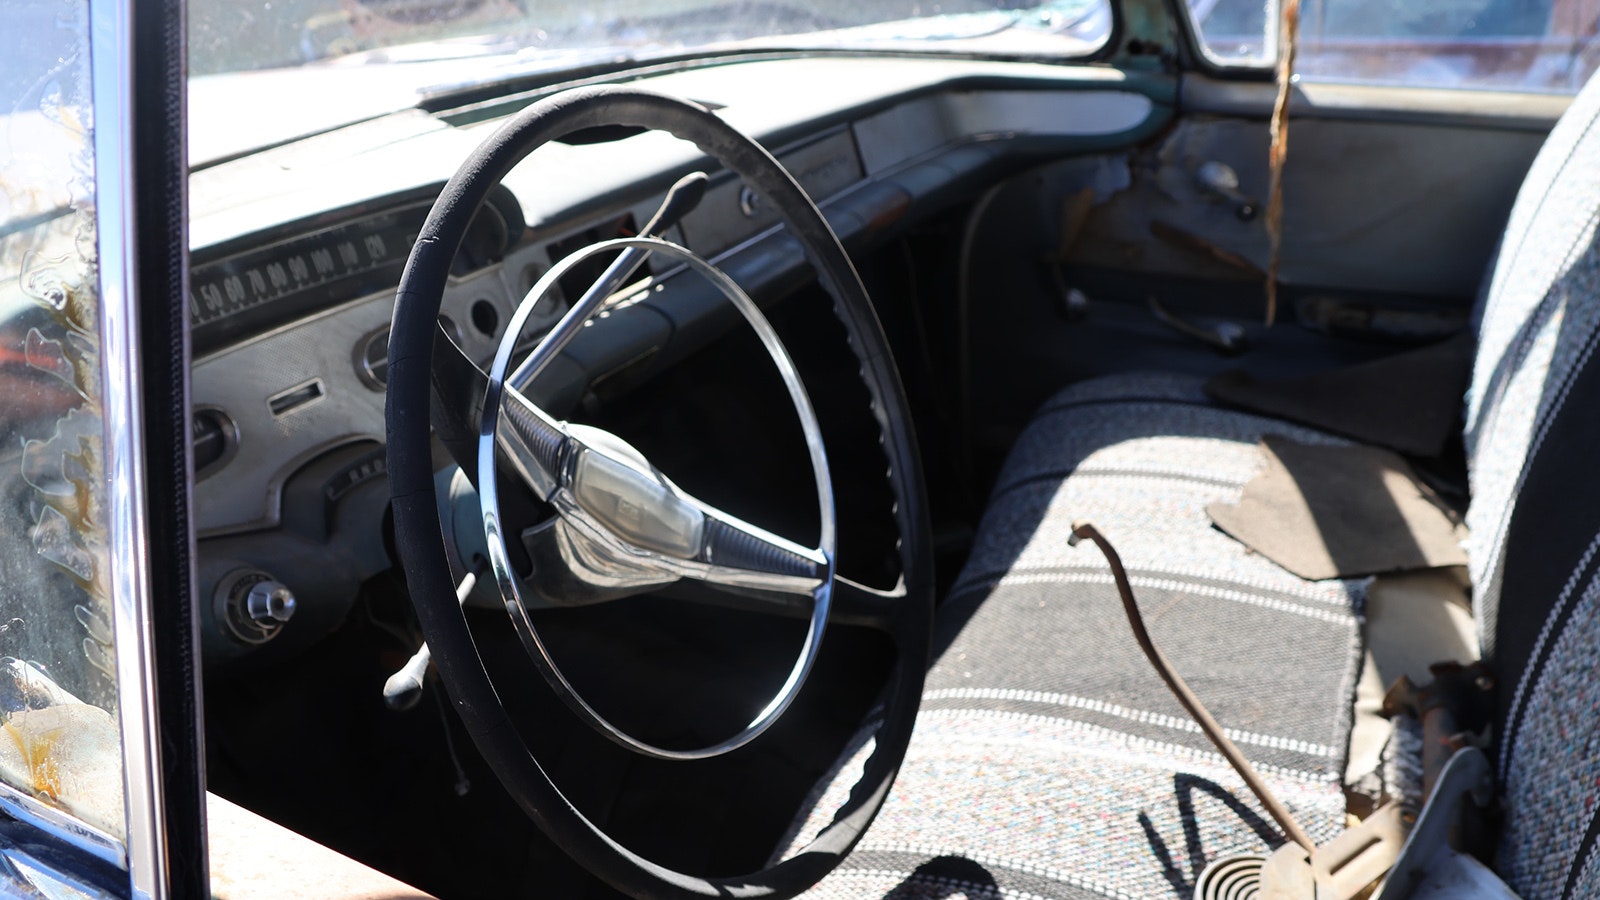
x,y
1344,868
1466,775
1454,709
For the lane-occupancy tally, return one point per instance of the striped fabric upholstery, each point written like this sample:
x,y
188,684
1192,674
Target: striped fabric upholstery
x,y
1049,760
1532,441
1536,326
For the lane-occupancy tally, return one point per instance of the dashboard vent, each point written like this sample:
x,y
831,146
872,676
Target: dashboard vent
x,y
600,134
459,110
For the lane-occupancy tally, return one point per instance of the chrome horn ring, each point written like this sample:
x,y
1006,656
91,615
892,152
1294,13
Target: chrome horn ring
x,y
620,524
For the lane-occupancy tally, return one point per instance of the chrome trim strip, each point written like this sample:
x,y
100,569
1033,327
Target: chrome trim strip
x,y
111,48
30,870
62,825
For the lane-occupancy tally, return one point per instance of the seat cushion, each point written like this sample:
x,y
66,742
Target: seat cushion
x,y
1538,322
1049,759
1532,438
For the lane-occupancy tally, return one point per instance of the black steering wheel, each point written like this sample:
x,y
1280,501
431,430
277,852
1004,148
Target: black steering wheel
x,y
587,475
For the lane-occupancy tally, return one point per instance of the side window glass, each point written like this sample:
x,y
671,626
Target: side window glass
x,y
61,760
1236,32
1515,45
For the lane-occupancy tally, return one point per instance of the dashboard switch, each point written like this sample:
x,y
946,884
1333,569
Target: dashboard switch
x,y
297,397
215,438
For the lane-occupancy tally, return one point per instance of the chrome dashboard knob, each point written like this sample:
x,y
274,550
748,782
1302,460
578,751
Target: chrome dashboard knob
x,y
251,606
269,603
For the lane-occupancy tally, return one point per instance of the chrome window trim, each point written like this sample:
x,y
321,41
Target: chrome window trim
x,y
111,55
62,825
31,863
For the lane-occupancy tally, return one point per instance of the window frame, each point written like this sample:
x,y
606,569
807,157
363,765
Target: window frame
x,y
136,97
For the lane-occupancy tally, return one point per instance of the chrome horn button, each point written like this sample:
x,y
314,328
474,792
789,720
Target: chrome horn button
x,y
619,489
622,526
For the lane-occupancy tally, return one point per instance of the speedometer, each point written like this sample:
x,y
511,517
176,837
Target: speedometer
x,y
239,292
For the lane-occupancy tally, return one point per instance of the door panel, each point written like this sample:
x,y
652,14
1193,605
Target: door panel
x,y
1394,202
1403,197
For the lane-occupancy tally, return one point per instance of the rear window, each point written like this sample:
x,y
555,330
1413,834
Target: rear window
x,y
1519,45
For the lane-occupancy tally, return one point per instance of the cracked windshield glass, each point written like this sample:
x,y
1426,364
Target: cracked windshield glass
x,y
264,71
59,750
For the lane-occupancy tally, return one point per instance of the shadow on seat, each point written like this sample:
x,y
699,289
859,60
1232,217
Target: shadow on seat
x,y
946,877
1184,786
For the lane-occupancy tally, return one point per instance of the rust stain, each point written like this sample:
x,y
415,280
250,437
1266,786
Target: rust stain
x,y
1288,31
38,752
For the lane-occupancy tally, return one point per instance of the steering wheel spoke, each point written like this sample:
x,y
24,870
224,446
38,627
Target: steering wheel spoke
x,y
857,604
533,441
629,527
740,555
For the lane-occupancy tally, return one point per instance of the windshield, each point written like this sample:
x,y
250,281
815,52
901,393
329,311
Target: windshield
x,y
309,65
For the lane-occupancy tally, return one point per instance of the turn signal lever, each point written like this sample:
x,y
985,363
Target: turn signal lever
x,y
684,195
404,688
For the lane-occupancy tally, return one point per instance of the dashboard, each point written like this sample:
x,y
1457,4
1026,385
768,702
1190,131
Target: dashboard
x,y
297,250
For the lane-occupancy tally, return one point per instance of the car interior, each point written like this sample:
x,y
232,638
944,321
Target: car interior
x,y
1027,235
730,476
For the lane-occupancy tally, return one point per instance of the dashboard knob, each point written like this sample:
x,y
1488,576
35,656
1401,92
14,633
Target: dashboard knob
x,y
372,359
269,603
252,606
215,439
